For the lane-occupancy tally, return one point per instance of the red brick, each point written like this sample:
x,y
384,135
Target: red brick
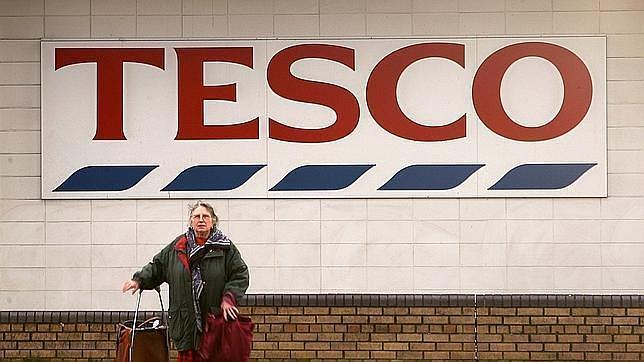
x,y
435,319
626,356
343,346
585,311
516,320
612,347
515,338
358,319
449,346
587,347
395,346
290,310
29,345
303,354
625,329
44,353
425,311
356,354
383,337
489,320
329,354
409,319
303,319
631,321
635,311
625,338
530,347
516,355
70,353
282,336
571,320
303,337
396,311
556,347
370,311
286,345
277,319
529,311
281,354
490,338
543,338
543,356
599,338
461,337
571,338
369,346
597,356
329,319
410,355
388,355
343,310
612,311
495,356
502,346
329,336
570,329
598,320
556,311
432,337
575,356
16,336
436,355
503,311
316,310
462,355
422,346
635,347
356,337
16,353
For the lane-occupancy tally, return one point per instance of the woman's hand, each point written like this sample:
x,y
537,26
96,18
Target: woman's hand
x,y
130,285
229,310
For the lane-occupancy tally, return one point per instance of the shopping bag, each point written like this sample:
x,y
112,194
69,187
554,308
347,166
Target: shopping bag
x,y
228,341
143,341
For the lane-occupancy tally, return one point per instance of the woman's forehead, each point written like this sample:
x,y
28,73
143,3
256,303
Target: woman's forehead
x,y
200,209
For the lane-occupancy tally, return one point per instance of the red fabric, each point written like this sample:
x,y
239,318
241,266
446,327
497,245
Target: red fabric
x,y
226,340
180,246
188,356
200,241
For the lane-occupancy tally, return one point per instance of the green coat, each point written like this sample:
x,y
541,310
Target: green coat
x,y
222,270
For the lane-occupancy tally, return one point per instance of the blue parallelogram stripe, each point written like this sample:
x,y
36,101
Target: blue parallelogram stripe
x,y
105,178
542,176
321,177
430,177
212,177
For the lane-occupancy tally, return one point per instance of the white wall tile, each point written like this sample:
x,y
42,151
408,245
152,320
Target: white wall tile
x,y
295,7
618,279
68,256
427,209
530,230
576,5
22,210
575,23
388,24
68,300
21,27
530,254
344,255
389,6
393,280
20,142
430,6
290,255
114,233
625,184
67,7
533,279
250,25
342,6
576,255
577,279
626,138
114,7
114,210
19,74
158,233
624,115
113,255
482,209
344,280
389,209
622,254
621,5
242,232
481,23
532,5
159,7
625,45
622,230
68,210
22,279
23,96
436,255
19,188
296,25
624,69
159,210
616,22
21,7
250,7
396,232
24,256
205,26
435,24
297,231
529,23
20,165
68,233
483,254
626,161
436,278
251,210
622,208
19,119
68,279
106,26
483,278
625,91
481,6
389,255
205,7
298,280
258,255
262,280
344,209
436,231
343,25
67,26
116,300
577,208
484,231
20,233
529,208
109,279
158,26
22,300
297,209
344,231
577,230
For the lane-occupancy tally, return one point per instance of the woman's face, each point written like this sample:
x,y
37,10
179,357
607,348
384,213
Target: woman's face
x,y
201,220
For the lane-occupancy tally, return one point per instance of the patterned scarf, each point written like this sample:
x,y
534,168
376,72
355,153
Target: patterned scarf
x,y
196,253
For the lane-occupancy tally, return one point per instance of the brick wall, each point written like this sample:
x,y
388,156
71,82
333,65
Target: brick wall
x,y
430,327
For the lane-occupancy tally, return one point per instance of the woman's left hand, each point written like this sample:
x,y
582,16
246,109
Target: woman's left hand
x,y
229,310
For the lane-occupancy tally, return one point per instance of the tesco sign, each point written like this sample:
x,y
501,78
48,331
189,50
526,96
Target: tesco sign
x,y
330,118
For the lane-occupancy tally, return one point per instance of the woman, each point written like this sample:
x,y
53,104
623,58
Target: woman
x,y
206,274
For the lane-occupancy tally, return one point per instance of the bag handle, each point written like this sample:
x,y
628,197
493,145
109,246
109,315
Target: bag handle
x,y
136,313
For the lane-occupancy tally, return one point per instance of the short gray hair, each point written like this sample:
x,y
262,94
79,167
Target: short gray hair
x,y
211,210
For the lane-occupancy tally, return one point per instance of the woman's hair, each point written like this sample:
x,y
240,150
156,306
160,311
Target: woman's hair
x,y
211,211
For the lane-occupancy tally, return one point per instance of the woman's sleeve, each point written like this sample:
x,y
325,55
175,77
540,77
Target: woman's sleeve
x,y
152,275
237,271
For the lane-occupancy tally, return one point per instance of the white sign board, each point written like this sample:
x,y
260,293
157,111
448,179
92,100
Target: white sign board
x,y
325,118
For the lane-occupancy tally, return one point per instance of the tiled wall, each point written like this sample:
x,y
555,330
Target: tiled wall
x,y
75,254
